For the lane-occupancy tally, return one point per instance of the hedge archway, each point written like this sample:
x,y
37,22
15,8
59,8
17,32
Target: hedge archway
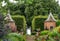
x,y
20,22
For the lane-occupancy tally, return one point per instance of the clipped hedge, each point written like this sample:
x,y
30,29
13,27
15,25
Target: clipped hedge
x,y
38,22
20,22
58,23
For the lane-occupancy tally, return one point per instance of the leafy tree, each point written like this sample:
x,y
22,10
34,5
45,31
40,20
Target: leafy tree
x,y
31,8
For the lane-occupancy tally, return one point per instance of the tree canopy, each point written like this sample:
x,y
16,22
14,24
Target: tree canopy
x,y
30,8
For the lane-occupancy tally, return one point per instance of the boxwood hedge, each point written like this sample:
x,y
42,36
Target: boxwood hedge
x,y
38,22
20,22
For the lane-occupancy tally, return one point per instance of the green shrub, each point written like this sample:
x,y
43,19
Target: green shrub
x,y
57,30
20,22
38,22
15,37
45,32
52,34
58,23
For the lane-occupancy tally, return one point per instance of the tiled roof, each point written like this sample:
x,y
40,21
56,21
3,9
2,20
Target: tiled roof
x,y
8,17
50,17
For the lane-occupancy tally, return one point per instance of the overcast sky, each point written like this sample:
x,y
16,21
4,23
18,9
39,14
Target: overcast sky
x,y
13,1
56,0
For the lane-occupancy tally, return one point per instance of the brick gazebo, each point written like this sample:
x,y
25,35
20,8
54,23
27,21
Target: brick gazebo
x,y
10,22
50,22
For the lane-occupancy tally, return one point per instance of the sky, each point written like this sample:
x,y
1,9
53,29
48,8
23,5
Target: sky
x,y
58,1
13,1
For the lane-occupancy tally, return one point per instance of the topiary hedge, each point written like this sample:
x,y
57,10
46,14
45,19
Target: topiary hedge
x,y
38,22
58,23
20,22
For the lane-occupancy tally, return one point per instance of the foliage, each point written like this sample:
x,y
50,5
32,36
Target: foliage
x,y
58,22
45,32
15,37
51,35
38,22
3,30
30,8
58,16
20,22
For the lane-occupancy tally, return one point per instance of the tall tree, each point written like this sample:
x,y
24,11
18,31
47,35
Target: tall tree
x,y
30,8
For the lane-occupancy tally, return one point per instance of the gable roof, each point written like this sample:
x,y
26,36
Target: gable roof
x,y
50,17
8,16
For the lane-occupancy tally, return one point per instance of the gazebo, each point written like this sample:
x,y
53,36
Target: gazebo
x,y
11,22
50,22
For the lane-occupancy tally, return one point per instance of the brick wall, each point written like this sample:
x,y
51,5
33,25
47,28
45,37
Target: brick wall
x,y
13,26
49,24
